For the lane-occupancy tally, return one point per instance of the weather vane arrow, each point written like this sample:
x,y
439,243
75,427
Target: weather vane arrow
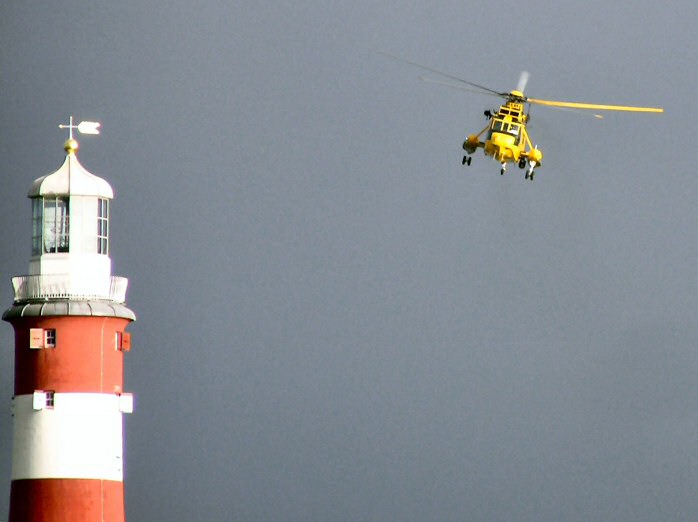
x,y
84,127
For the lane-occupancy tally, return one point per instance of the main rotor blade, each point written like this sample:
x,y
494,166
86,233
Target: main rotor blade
x,y
430,69
459,87
593,106
577,111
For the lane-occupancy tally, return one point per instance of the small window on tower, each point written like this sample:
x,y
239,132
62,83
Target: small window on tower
x,y
50,338
43,400
123,341
50,399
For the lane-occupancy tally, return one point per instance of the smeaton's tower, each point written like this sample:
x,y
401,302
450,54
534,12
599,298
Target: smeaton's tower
x,y
69,319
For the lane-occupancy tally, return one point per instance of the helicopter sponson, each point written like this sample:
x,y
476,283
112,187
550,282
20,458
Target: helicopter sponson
x,y
471,144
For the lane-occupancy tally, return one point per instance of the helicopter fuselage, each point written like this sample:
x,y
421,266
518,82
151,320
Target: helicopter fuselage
x,y
505,133
505,138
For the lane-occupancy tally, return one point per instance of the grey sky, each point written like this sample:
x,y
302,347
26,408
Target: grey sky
x,y
336,320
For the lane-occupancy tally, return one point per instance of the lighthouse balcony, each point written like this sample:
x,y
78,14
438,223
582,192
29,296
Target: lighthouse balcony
x,y
51,287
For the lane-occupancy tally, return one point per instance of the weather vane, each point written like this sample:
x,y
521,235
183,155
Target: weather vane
x,y
84,127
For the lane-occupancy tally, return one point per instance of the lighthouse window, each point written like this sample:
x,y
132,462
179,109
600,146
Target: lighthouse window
x,y
42,338
50,338
50,399
56,229
103,226
123,341
44,399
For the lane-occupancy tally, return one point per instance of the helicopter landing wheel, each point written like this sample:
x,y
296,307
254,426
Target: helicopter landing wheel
x,y
522,164
467,160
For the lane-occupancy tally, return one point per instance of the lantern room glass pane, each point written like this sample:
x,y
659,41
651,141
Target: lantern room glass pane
x,y
103,226
37,225
56,229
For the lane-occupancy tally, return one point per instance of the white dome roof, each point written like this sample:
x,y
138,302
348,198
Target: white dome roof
x,y
72,179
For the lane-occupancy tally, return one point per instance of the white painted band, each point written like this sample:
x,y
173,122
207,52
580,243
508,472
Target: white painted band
x,y
80,437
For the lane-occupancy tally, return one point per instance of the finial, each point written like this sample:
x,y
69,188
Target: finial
x,y
71,146
84,127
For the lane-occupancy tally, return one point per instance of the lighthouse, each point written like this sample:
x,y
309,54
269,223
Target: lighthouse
x,y
70,318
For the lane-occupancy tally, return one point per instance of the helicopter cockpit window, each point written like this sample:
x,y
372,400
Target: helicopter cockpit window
x,y
503,126
499,126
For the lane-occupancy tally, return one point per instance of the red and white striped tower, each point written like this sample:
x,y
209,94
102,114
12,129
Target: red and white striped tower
x,y
69,319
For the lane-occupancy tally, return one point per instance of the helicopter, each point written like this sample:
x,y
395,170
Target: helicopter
x,y
505,138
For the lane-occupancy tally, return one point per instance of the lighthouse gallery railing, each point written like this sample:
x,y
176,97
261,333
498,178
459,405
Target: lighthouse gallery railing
x,y
50,287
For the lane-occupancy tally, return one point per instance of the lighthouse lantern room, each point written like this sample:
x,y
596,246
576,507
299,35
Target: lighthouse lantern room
x,y
70,318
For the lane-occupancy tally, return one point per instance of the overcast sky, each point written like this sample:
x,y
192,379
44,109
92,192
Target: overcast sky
x,y
336,320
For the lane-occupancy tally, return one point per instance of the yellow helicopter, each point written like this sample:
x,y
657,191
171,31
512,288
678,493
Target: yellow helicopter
x,y
505,138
